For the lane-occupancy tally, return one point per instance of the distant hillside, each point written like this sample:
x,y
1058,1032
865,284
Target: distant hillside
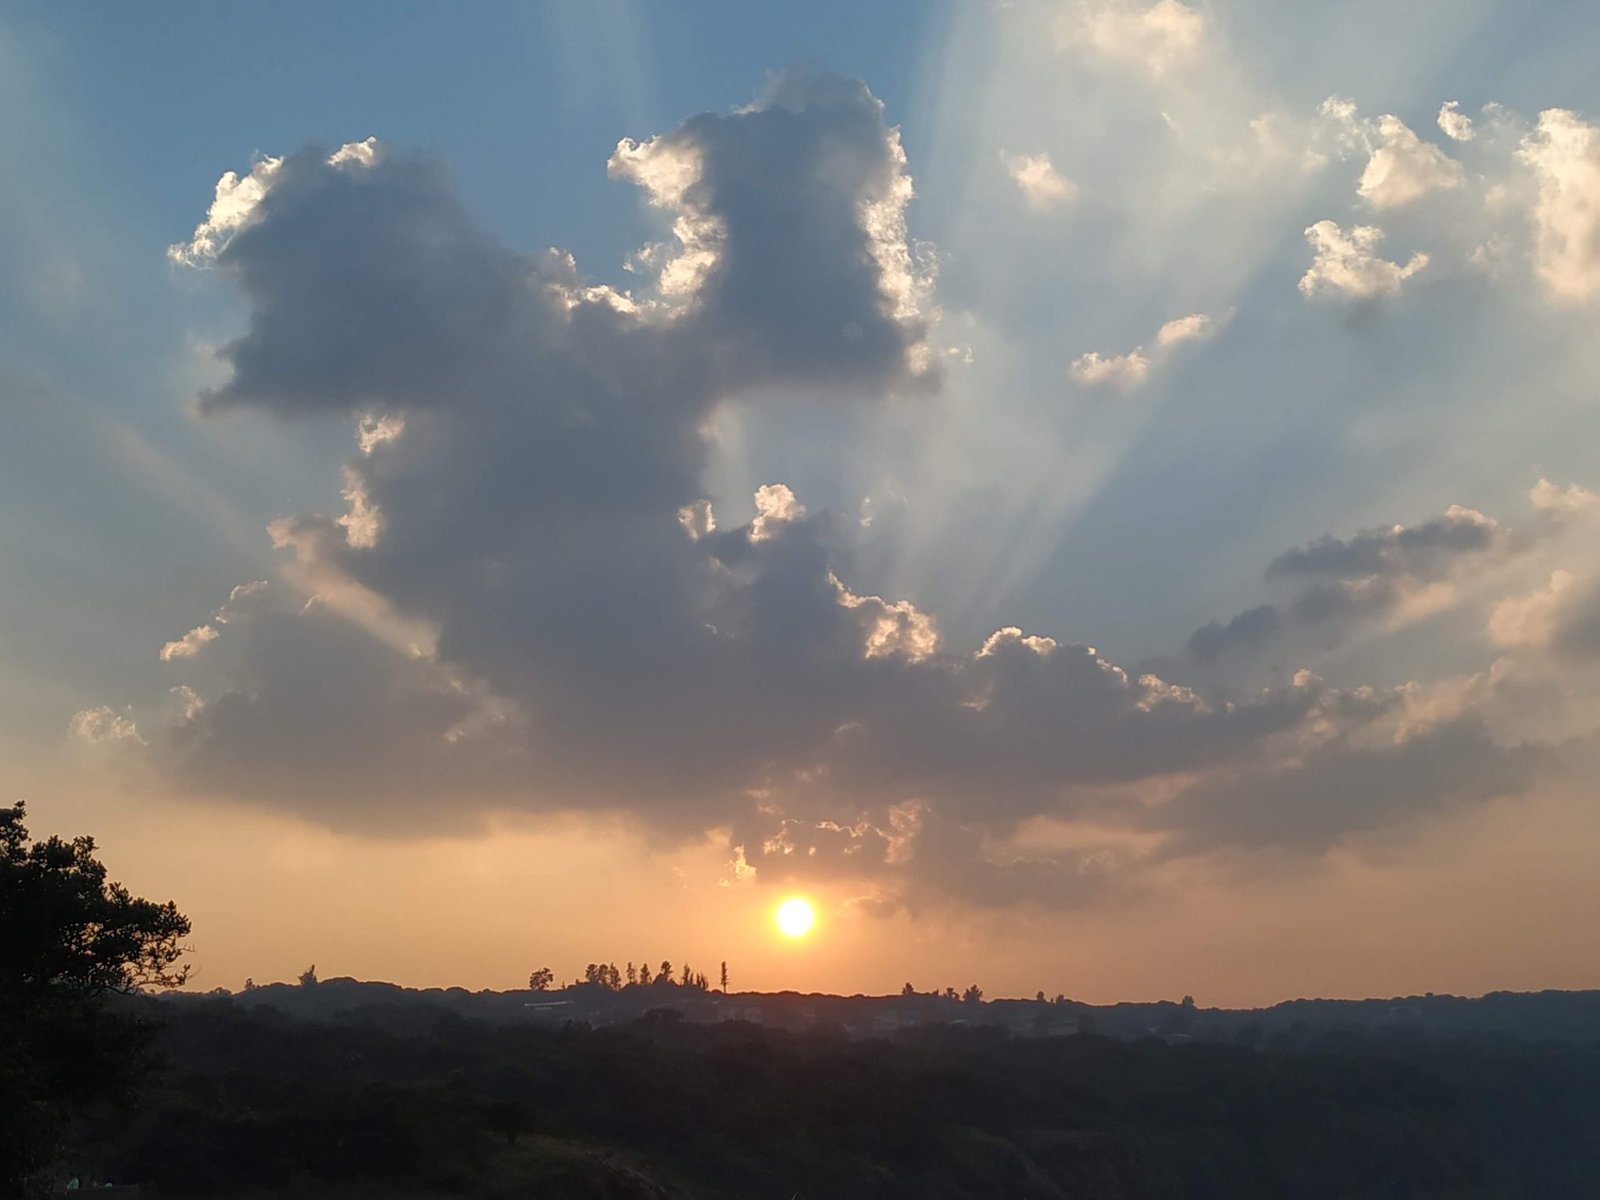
x,y
1527,1016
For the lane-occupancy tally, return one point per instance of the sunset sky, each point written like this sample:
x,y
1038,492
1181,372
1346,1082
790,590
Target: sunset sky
x,y
1099,497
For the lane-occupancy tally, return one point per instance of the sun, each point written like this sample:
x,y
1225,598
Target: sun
x,y
795,917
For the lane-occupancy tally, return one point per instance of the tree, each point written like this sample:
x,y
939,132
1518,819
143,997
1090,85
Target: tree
x,y
633,975
973,995
908,990
724,977
644,974
687,979
72,943
1039,999
308,977
541,980
665,974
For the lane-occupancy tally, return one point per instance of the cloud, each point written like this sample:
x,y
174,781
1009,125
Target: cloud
x,y
105,724
1042,185
1564,503
1391,570
1125,371
189,644
1196,327
1563,152
1129,371
528,603
1346,266
1155,39
1401,168
1457,126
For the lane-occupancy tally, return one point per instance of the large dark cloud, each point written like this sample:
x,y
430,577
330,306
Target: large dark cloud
x,y
529,604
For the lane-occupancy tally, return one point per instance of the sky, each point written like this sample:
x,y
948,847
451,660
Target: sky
x,y
1097,496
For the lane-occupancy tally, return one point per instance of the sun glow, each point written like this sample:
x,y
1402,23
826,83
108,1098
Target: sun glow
x,y
795,917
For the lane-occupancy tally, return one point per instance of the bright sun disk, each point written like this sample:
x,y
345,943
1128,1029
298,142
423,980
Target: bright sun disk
x,y
795,917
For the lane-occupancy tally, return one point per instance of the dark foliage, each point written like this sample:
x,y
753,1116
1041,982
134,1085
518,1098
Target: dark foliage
x,y
71,943
400,1098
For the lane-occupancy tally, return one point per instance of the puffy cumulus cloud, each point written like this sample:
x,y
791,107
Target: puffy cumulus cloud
x,y
1155,39
1128,371
1401,168
1125,371
808,186
1395,570
529,603
1563,151
1346,264
1570,503
1457,126
1037,178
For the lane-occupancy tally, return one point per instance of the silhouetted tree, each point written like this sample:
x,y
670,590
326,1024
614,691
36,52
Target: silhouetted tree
x,y
644,974
951,994
665,974
69,939
541,980
1040,997
724,977
308,977
633,975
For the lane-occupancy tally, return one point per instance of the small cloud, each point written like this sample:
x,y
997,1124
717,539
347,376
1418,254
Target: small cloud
x,y
1155,39
1564,503
1403,168
1128,371
190,644
105,724
1345,264
1196,327
1456,124
1042,185
1125,371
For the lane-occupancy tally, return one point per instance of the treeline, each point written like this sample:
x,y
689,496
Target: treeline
x,y
609,976
401,1099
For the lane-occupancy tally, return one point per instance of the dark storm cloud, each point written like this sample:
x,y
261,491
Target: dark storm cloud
x,y
528,604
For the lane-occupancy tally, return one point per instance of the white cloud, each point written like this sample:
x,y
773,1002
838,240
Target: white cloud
x,y
190,644
1155,39
1564,502
1196,327
105,724
1456,124
1564,152
1128,371
235,202
1039,180
1403,168
1125,371
1346,265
